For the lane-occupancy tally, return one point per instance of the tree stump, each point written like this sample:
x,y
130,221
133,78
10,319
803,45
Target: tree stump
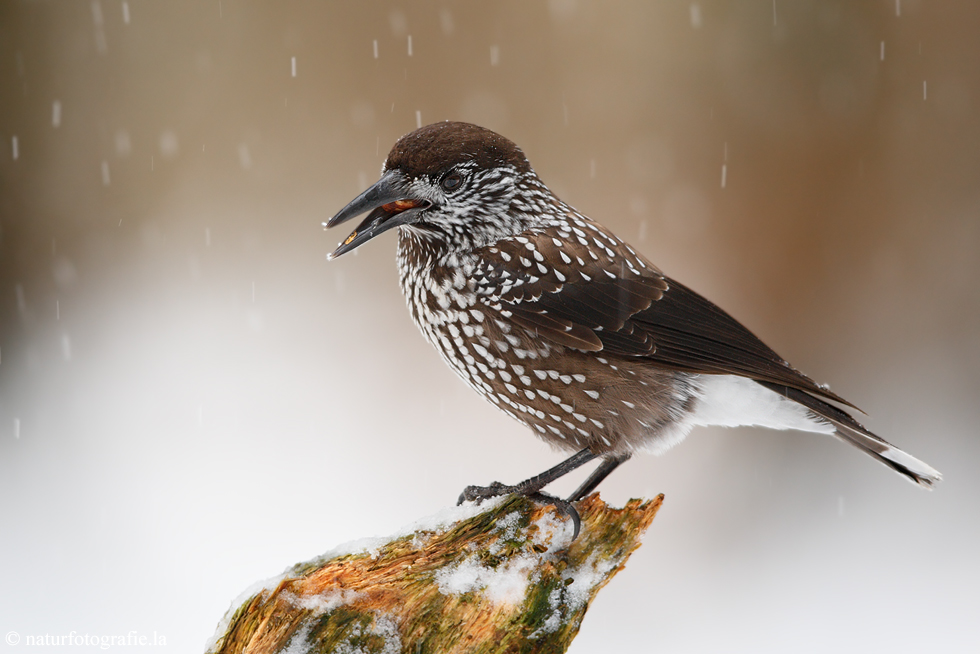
x,y
502,577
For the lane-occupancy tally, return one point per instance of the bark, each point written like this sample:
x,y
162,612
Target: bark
x,y
507,579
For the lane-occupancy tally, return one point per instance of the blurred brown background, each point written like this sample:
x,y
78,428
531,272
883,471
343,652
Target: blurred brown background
x,y
192,398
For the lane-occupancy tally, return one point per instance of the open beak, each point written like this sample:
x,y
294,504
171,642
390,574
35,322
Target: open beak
x,y
389,206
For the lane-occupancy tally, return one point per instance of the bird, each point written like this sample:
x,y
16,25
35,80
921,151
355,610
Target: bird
x,y
567,328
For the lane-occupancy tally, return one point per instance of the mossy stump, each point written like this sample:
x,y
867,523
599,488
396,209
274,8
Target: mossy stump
x,y
507,579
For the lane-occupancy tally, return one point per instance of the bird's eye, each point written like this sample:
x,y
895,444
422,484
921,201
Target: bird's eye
x,y
451,182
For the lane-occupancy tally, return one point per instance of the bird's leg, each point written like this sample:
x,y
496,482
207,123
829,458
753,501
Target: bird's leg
x,y
531,488
600,473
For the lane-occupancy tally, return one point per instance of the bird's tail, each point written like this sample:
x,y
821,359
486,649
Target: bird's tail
x,y
916,471
851,431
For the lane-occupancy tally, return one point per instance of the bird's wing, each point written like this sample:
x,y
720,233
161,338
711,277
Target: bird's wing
x,y
591,291
528,277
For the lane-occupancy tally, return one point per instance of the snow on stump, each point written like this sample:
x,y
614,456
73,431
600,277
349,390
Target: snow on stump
x,y
502,577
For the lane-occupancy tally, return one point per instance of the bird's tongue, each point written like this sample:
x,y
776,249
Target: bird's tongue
x,y
384,213
400,205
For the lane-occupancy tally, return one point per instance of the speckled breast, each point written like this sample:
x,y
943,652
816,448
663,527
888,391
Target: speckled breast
x,y
569,398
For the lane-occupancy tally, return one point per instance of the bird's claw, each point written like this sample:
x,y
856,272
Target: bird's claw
x,y
563,507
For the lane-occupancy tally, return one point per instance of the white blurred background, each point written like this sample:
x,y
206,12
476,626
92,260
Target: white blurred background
x,y
192,398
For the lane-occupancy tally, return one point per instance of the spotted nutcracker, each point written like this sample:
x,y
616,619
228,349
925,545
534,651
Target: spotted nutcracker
x,y
565,327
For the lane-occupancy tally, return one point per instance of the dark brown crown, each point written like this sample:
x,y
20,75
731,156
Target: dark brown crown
x,y
435,148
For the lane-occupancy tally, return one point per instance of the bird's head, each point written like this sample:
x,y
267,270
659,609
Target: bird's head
x,y
453,182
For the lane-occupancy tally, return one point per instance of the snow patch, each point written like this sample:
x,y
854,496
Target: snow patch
x,y
551,625
570,597
505,584
584,578
299,643
552,533
507,528
324,602
382,626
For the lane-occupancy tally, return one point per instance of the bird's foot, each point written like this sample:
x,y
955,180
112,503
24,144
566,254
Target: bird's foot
x,y
479,493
